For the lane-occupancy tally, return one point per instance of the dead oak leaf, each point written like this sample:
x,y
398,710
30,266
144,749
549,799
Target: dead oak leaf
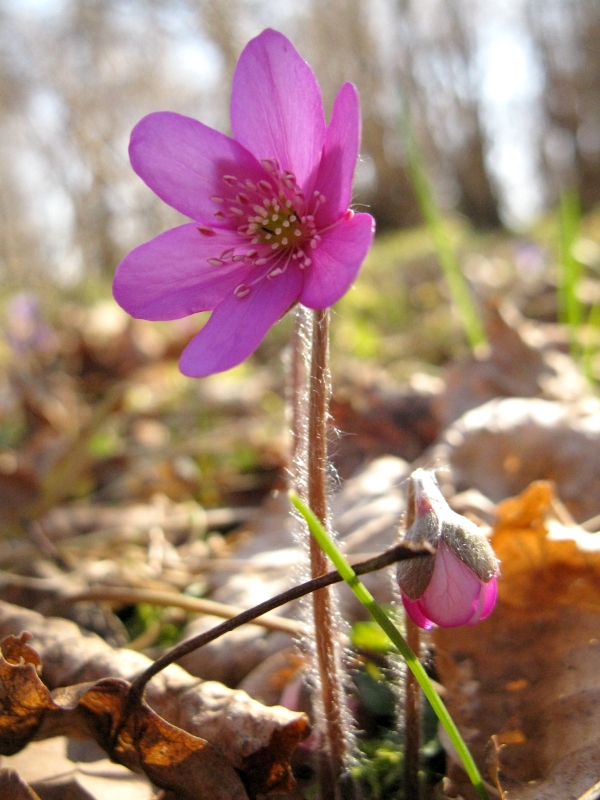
x,y
133,734
543,561
525,683
171,758
23,697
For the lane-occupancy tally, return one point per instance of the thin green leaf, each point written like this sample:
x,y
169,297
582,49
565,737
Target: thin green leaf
x,y
459,288
378,614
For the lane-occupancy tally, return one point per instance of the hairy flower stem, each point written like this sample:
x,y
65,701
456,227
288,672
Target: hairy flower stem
x,y
412,719
412,704
332,691
296,399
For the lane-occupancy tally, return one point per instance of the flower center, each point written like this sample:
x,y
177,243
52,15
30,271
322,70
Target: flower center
x,y
274,220
271,214
278,225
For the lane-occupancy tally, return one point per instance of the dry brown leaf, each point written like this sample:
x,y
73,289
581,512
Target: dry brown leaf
x,y
529,675
23,696
245,737
137,738
170,757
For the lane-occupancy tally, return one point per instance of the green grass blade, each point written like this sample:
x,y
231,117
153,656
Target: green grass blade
x,y
379,615
459,288
570,307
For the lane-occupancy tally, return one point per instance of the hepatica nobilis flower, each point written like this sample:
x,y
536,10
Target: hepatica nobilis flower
x,y
457,585
270,208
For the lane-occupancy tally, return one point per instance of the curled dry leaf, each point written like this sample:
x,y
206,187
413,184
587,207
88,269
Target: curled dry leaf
x,y
23,696
235,748
137,738
524,685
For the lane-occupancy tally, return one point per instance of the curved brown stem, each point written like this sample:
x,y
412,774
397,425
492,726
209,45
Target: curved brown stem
x,y
398,553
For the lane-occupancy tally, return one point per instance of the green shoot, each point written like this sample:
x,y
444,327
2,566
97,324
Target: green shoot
x,y
570,307
378,614
459,289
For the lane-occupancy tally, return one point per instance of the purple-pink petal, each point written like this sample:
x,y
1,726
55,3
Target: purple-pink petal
x,y
452,596
337,260
340,153
413,609
170,276
276,107
238,325
184,161
486,602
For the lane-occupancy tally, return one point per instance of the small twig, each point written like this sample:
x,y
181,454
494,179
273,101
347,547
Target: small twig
x,y
197,605
46,547
398,553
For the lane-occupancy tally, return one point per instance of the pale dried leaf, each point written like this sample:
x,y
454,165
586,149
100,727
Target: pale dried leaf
x,y
501,447
46,767
519,363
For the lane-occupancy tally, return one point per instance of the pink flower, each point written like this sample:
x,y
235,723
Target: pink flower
x,y
270,207
457,585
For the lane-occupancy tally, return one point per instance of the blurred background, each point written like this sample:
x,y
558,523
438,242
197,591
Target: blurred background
x,y
480,158
503,98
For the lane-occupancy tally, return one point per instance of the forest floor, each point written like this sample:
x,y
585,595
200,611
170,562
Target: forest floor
x,y
129,495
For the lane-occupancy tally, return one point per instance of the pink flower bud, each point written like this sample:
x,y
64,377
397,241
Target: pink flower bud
x,y
457,585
